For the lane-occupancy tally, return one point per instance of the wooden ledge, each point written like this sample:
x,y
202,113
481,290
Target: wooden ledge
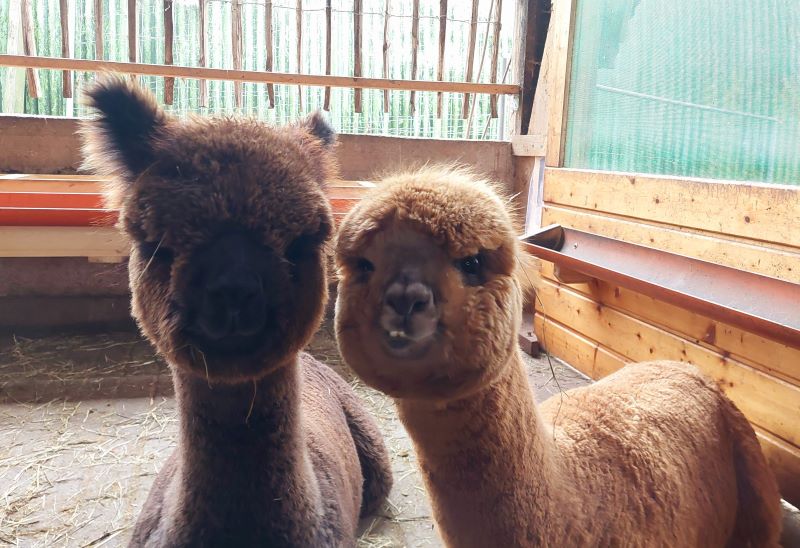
x,y
759,304
64,216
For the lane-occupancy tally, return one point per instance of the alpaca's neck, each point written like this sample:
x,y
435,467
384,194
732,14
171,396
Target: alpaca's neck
x,y
242,452
486,457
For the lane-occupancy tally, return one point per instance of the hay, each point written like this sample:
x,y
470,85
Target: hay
x,y
75,473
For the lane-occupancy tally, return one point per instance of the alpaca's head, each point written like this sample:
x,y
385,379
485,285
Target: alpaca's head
x,y
429,305
227,219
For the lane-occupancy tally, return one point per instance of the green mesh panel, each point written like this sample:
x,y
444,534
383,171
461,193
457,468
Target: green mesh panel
x,y
700,88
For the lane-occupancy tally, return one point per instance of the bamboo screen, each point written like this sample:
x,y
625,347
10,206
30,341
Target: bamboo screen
x,y
705,89
477,46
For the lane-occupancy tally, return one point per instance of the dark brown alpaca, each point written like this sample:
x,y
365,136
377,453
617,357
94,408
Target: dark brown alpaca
x,y
227,220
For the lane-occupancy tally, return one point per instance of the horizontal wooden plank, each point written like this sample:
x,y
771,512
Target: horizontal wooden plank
x,y
42,216
49,185
574,348
590,357
42,241
176,71
752,257
84,200
39,177
758,352
528,145
767,401
784,460
756,211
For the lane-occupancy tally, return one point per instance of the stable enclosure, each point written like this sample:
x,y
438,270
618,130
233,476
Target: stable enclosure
x,y
654,163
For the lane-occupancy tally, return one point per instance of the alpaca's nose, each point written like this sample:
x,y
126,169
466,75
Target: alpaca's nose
x,y
408,299
409,308
233,304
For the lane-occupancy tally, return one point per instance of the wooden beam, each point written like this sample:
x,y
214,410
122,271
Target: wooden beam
x,y
236,48
169,83
43,241
562,25
203,99
66,76
386,53
473,30
534,44
29,47
328,38
766,259
442,42
495,55
358,9
132,42
88,65
299,22
754,211
269,46
99,50
527,145
519,55
414,51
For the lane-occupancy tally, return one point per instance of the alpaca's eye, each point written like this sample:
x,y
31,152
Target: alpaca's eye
x,y
471,270
363,266
156,251
470,265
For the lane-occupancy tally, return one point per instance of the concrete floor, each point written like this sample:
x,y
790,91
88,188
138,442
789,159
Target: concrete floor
x,y
75,471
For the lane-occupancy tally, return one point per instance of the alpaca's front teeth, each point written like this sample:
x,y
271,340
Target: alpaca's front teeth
x,y
397,334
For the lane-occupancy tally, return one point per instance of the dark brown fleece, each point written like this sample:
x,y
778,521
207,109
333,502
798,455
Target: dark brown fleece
x,y
274,448
654,455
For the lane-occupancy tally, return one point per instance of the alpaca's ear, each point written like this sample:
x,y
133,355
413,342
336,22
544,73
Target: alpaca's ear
x,y
120,138
318,127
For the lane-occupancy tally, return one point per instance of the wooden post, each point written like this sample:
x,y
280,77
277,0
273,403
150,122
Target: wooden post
x,y
480,70
473,30
495,53
327,102
66,76
268,34
357,9
29,48
442,41
299,20
169,83
99,52
202,60
386,52
414,48
132,47
236,48
14,96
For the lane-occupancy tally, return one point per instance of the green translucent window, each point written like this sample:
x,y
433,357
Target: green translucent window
x,y
699,88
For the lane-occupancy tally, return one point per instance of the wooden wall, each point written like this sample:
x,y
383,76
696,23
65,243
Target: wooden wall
x,y
598,327
34,144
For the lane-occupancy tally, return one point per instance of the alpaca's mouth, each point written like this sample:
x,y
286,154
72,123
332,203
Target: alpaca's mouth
x,y
403,345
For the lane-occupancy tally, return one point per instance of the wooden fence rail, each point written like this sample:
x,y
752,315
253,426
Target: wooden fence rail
x,y
170,71
200,73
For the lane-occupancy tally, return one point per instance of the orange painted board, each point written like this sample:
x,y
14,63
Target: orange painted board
x,y
28,216
70,200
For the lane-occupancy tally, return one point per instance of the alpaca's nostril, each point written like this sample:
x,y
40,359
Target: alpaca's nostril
x,y
407,300
232,308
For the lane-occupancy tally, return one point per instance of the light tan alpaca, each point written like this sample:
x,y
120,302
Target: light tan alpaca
x,y
428,312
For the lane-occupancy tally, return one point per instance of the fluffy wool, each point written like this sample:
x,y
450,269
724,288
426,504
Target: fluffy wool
x,y
274,448
653,455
